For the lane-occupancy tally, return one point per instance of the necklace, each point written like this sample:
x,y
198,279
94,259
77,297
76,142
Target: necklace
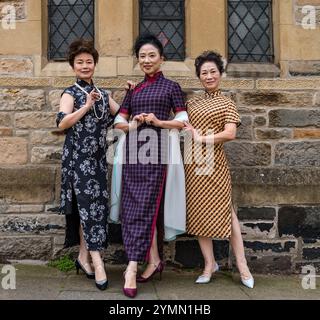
x,y
100,98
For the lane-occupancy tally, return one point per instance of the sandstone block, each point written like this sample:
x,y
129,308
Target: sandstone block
x,y
35,120
21,100
13,150
298,154
248,154
46,154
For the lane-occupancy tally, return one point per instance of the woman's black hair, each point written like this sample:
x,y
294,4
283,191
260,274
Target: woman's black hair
x,y
209,56
147,38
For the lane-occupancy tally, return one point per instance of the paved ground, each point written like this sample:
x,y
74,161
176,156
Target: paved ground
x,y
38,282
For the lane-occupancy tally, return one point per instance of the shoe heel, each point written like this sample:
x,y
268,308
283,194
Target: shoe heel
x,y
77,266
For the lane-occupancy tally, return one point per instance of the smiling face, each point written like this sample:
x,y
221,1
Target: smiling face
x,y
149,59
84,66
210,76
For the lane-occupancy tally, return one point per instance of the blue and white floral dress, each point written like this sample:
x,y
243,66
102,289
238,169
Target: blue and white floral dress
x,y
84,193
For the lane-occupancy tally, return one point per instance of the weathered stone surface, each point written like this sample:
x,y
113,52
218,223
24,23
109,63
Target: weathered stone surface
x,y
24,82
5,119
254,213
19,7
276,176
260,121
304,68
258,230
248,154
6,132
269,195
36,224
25,247
288,84
15,185
299,222
298,154
306,133
26,208
256,70
13,150
294,118
270,264
266,134
46,154
46,138
35,120
54,99
16,66
271,247
22,133
21,100
245,130
311,253
118,96
276,98
189,255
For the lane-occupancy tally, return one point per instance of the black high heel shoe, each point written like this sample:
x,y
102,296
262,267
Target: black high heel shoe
x,y
159,268
90,275
102,284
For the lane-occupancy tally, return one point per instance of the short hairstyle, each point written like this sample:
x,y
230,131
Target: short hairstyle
x,y
209,56
147,38
82,46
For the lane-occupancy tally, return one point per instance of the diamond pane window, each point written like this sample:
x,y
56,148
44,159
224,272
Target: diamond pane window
x,y
250,31
68,20
166,20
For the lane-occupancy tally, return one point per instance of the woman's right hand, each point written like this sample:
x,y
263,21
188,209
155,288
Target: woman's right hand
x,y
92,97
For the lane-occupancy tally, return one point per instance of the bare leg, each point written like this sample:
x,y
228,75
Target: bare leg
x,y
84,256
98,264
131,275
237,246
154,258
206,247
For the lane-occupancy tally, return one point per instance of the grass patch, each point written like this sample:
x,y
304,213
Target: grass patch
x,y
65,263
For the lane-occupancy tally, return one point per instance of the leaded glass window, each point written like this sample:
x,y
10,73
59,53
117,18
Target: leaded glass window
x,y
166,20
68,20
250,31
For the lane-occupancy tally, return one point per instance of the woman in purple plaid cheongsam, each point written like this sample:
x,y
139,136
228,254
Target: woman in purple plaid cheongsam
x,y
85,114
149,105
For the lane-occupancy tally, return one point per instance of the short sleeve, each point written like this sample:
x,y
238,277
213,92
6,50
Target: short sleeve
x,y
126,103
177,99
68,91
232,115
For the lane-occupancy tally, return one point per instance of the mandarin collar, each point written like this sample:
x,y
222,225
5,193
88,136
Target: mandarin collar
x,y
84,83
213,94
156,76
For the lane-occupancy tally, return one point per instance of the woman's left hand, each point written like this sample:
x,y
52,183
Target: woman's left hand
x,y
151,119
195,135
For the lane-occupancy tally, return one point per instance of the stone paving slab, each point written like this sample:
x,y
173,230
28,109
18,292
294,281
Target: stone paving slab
x,y
39,282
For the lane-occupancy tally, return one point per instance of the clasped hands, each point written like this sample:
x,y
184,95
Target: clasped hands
x,y
149,119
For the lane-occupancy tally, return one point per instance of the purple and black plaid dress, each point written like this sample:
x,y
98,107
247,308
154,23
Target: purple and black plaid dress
x,y
143,183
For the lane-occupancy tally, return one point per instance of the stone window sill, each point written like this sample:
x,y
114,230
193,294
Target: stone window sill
x,y
252,70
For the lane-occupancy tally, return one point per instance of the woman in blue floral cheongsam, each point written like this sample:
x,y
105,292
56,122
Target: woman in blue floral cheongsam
x,y
85,114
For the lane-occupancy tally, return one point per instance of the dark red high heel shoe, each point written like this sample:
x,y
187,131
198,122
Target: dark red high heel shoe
x,y
159,269
129,292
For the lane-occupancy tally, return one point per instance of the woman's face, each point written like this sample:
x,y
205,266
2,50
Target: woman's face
x,y
84,66
149,59
210,76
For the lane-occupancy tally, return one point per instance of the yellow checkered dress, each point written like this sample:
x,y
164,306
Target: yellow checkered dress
x,y
209,195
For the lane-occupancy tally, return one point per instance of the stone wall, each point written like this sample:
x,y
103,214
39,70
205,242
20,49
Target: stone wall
x,y
274,161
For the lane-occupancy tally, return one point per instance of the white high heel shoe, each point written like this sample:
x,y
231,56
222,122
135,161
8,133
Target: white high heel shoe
x,y
203,279
248,282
